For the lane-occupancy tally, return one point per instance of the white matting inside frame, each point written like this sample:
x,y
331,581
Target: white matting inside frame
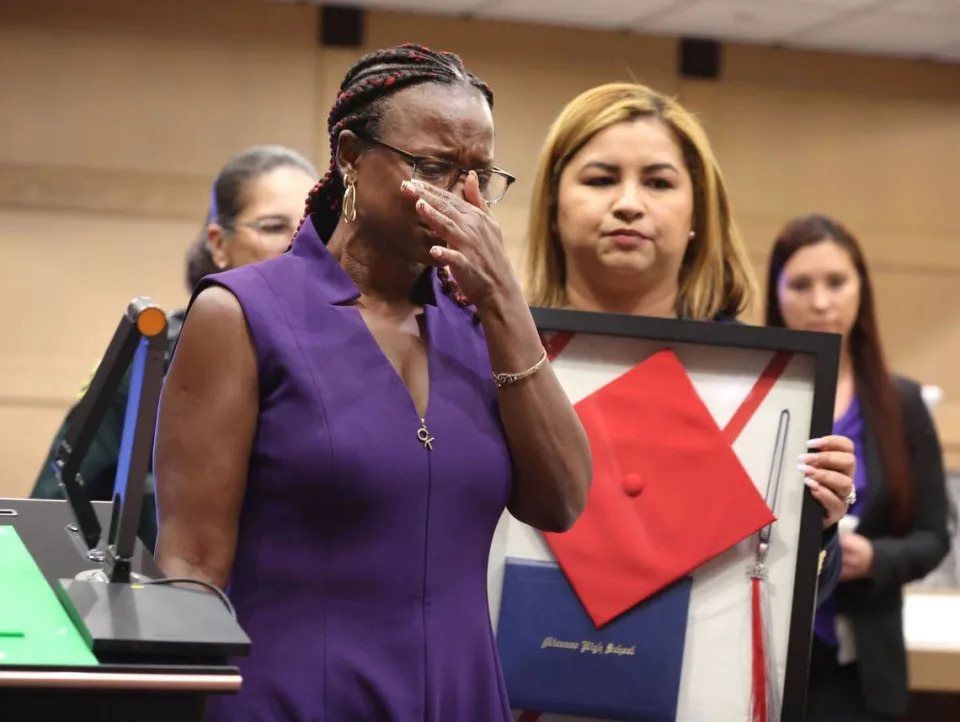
x,y
715,681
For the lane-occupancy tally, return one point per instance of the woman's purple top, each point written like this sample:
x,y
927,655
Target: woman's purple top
x,y
361,563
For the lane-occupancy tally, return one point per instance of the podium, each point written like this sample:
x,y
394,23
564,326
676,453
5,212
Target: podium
x,y
117,641
118,689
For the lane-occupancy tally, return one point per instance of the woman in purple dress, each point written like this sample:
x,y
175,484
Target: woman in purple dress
x,y
340,431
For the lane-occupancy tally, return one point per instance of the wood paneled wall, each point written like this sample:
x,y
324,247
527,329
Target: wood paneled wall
x,y
115,116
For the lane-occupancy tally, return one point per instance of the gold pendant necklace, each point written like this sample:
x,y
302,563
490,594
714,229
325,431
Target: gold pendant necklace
x,y
423,435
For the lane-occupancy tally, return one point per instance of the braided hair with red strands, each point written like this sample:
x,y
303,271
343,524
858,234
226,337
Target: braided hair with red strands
x,y
360,107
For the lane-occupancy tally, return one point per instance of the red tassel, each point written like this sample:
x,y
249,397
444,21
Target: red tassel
x,y
759,712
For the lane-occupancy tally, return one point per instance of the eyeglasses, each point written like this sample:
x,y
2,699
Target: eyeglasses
x,y
445,174
271,226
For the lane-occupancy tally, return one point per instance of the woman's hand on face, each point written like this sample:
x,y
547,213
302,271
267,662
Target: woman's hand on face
x,y
828,471
474,251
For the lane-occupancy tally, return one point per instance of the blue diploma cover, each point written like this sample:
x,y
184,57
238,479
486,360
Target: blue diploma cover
x,y
555,660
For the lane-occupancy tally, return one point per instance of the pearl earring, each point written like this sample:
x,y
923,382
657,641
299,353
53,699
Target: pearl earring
x,y
692,235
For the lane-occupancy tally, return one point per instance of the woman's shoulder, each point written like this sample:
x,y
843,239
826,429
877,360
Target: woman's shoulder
x,y
910,392
906,386
257,287
271,271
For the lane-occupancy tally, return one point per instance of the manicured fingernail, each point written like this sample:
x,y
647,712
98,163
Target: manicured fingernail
x,y
421,204
436,251
805,468
812,483
407,185
816,443
806,458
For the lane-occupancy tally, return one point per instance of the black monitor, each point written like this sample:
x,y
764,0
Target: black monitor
x,y
120,617
139,344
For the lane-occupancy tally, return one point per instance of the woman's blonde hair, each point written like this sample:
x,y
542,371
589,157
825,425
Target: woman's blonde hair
x,y
715,276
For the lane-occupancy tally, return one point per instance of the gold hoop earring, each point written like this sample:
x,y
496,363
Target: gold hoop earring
x,y
350,201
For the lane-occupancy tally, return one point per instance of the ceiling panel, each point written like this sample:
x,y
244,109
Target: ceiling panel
x,y
928,28
887,32
585,13
753,20
952,51
929,8
846,4
439,7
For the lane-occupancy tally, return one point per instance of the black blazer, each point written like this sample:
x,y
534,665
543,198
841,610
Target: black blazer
x,y
874,605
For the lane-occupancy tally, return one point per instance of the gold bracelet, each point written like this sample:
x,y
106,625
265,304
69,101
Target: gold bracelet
x,y
507,379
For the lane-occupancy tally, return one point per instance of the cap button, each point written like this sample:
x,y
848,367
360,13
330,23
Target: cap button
x,y
632,484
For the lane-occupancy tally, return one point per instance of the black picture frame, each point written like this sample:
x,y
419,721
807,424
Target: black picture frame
x,y
824,348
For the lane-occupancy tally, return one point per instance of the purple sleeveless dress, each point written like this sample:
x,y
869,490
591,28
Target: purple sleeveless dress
x,y
361,563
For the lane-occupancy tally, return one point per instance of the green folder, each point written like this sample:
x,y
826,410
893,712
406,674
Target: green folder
x,y
34,627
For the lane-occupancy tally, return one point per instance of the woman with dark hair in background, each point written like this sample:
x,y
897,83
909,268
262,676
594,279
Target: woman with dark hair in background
x,y
199,264
896,530
255,203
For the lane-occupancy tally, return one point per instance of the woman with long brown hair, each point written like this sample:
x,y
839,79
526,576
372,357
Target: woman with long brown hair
x,y
896,531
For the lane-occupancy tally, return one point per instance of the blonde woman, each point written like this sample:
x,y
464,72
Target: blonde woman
x,y
630,215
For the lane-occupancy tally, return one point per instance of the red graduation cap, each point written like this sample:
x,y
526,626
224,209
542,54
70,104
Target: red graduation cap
x,y
668,491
